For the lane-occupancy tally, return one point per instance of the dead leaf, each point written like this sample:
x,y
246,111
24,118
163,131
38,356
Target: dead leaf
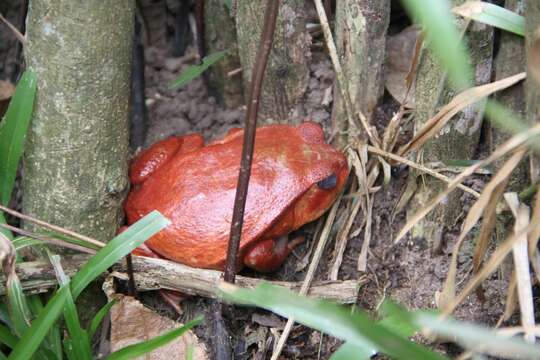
x,y
521,264
474,214
469,9
400,53
132,322
509,146
468,97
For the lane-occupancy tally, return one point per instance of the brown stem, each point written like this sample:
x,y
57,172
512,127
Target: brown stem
x,y
270,16
199,20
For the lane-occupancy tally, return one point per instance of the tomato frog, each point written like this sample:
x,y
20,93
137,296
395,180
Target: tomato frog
x,y
295,178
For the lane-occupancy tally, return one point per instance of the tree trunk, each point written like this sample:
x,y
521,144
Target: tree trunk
x,y
220,34
532,84
75,165
361,39
287,72
458,140
510,60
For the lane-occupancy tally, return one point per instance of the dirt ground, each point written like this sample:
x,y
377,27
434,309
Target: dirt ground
x,y
408,272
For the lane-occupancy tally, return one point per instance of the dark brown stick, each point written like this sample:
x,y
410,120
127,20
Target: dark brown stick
x,y
270,16
199,20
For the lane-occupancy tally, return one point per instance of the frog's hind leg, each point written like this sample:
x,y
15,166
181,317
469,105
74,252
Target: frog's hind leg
x,y
151,159
268,255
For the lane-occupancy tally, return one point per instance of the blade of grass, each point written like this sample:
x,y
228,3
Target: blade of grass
x,y
78,337
349,351
355,328
98,318
53,341
132,351
117,248
442,37
195,70
22,242
32,339
470,336
19,312
13,131
7,338
493,15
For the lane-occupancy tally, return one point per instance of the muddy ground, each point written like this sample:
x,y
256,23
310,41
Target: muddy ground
x,y
408,272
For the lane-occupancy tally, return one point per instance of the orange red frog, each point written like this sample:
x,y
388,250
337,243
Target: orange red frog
x,y
295,178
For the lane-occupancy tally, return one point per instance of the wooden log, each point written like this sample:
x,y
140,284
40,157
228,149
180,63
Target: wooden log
x,y
155,274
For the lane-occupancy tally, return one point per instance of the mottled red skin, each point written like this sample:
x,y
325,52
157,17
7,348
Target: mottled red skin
x,y
194,186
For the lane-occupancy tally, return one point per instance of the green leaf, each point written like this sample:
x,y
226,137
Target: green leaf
x,y
195,70
13,131
3,231
53,340
145,347
349,351
22,242
228,4
78,337
493,15
6,337
30,341
355,328
98,318
442,37
116,249
19,312
470,336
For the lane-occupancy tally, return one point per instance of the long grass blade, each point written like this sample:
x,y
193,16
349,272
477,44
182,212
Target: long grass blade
x,y
493,15
78,337
355,328
117,248
13,131
442,37
195,70
98,318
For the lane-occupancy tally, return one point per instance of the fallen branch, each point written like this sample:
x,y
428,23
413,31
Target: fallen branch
x,y
154,274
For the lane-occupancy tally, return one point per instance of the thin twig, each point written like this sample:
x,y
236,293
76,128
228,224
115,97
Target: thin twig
x,y
47,239
59,229
16,32
270,17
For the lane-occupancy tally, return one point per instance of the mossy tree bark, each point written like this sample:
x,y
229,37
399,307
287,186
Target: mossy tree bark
x,y
532,84
287,72
75,165
361,27
220,34
458,140
511,60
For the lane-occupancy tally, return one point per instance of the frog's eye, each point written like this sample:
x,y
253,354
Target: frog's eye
x,y
328,183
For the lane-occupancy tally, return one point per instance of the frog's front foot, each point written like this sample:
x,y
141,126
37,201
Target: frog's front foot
x,y
267,255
